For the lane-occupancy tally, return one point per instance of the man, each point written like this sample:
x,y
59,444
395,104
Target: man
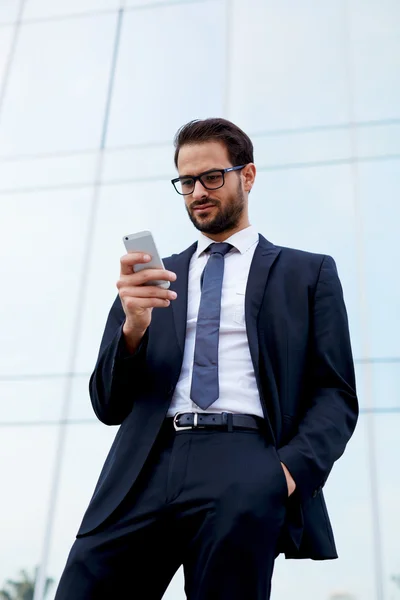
x,y
235,393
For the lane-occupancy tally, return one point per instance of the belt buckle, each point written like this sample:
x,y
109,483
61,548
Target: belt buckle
x,y
179,428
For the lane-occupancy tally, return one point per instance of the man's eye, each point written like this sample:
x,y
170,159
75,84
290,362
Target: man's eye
x,y
187,182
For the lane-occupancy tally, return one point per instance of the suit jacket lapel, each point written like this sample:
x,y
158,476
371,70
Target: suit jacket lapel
x,y
179,264
264,257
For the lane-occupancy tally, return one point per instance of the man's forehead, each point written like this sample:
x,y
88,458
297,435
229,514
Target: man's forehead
x,y
201,157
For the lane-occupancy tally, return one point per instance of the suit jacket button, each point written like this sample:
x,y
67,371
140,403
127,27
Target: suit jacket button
x,y
315,493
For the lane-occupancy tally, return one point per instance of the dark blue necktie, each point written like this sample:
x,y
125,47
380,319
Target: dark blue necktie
x,y
205,385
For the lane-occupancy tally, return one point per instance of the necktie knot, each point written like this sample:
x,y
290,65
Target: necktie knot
x,y
220,248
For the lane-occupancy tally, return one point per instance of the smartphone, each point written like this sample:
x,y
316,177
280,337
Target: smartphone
x,y
143,241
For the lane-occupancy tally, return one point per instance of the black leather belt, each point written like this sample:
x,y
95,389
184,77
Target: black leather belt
x,y
221,421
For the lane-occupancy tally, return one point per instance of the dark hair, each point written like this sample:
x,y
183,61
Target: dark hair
x,y
236,141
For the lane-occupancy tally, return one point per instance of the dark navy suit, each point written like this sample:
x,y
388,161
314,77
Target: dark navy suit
x,y
298,338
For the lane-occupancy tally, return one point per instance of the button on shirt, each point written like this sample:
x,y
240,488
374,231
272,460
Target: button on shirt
x,y
237,382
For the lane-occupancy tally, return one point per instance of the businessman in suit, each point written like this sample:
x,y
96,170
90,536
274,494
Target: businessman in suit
x,y
235,394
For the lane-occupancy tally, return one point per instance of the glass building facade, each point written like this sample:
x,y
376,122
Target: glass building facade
x,y
91,94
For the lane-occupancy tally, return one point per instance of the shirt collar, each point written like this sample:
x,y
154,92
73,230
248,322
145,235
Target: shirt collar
x,y
242,240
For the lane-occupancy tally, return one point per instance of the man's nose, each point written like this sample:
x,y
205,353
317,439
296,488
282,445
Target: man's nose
x,y
199,191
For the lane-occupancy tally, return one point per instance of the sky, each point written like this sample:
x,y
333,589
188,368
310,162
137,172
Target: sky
x,y
315,85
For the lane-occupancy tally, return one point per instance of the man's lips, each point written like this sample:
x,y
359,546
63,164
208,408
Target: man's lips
x,y
203,207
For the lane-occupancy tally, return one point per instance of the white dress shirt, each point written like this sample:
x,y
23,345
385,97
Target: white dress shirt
x,y
238,392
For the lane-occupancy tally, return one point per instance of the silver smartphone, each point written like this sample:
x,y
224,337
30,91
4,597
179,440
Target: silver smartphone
x,y
143,241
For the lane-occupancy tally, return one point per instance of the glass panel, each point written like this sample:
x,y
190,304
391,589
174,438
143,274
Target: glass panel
x,y
177,87
375,37
378,385
8,12
43,238
48,8
312,209
288,65
125,209
381,140
26,468
45,172
299,148
387,429
347,495
379,191
66,87
80,406
31,400
86,448
149,3
5,44
142,162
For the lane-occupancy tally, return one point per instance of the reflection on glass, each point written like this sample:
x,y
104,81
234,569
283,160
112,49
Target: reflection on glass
x,y
36,9
43,238
8,12
66,87
154,111
291,61
26,465
43,172
379,192
85,451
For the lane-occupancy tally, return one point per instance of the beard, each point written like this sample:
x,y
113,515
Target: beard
x,y
227,217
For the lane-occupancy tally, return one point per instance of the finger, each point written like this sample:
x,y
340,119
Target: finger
x,y
133,304
146,292
146,275
131,259
143,277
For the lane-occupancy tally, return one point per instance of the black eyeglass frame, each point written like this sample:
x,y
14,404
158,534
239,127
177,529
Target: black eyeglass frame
x,y
199,178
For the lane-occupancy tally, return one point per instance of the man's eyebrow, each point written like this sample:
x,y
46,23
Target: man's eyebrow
x,y
202,173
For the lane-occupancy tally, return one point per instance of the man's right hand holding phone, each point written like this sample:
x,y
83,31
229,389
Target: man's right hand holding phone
x,y
138,300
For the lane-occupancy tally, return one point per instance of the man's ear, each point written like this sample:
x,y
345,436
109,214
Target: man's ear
x,y
248,177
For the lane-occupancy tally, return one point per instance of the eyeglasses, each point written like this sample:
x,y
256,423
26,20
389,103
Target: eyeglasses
x,y
211,180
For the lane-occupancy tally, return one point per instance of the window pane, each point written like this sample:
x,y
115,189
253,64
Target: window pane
x,y
31,400
45,172
55,100
141,162
299,148
48,8
5,44
387,429
43,236
126,209
26,468
378,385
347,495
177,85
8,12
381,140
86,448
375,36
312,209
379,190
136,3
288,64
80,406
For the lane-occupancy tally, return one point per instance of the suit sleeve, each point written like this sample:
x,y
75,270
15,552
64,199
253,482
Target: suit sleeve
x,y
118,376
331,407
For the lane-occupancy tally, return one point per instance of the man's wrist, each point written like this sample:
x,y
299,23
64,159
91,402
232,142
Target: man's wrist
x,y
132,338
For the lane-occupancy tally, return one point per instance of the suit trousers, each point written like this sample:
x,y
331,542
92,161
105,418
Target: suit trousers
x,y
212,501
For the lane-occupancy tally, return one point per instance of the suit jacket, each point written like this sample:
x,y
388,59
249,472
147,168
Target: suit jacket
x,y
299,342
